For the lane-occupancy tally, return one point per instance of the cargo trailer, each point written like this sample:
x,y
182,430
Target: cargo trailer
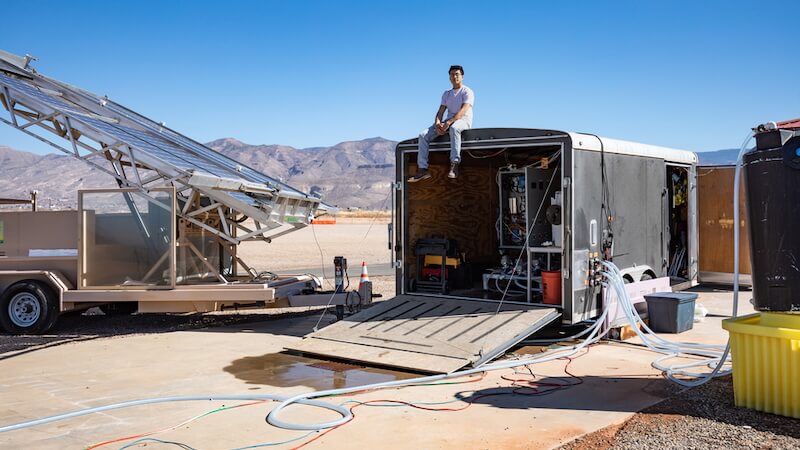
x,y
532,208
515,242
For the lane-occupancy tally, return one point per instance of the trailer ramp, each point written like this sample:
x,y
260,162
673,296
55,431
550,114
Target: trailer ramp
x,y
428,334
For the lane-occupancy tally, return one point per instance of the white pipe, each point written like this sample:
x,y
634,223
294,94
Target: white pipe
x,y
346,414
307,397
273,419
669,349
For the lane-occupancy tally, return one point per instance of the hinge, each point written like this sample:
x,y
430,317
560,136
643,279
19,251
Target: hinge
x,y
396,264
397,185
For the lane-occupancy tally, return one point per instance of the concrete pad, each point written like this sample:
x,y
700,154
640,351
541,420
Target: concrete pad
x,y
617,381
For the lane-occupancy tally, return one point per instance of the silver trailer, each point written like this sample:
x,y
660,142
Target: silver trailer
x,y
165,239
532,204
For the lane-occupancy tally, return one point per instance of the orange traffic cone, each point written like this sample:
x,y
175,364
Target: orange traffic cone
x,y
364,274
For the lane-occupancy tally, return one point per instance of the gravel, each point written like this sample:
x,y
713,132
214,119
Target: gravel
x,y
704,417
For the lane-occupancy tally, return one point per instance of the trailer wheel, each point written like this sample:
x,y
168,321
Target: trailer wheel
x,y
28,307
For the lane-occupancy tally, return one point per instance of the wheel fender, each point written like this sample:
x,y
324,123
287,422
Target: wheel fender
x,y
635,273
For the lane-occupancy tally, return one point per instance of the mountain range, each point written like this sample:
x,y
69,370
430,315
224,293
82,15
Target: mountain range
x,y
353,174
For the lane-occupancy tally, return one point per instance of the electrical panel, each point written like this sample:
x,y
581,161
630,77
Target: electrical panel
x,y
523,194
513,220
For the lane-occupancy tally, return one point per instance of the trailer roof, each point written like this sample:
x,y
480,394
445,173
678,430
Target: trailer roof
x,y
492,138
794,123
584,141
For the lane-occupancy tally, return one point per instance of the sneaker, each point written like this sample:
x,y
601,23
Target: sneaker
x,y
422,174
453,170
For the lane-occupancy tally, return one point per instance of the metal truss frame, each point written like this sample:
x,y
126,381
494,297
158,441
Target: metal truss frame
x,y
274,208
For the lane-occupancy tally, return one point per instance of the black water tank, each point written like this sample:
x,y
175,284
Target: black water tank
x,y
772,189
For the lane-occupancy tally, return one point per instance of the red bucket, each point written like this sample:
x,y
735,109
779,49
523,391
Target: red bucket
x,y
551,287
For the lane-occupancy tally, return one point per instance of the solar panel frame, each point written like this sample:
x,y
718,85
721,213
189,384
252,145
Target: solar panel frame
x,y
173,156
185,155
160,131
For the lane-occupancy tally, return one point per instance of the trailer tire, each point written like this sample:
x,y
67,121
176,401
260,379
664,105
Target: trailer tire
x,y
28,307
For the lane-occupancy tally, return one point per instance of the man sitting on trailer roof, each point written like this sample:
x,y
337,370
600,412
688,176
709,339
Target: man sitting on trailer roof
x,y
458,104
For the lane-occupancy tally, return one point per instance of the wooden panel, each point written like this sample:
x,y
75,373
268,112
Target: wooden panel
x,y
377,355
26,230
429,334
715,213
463,209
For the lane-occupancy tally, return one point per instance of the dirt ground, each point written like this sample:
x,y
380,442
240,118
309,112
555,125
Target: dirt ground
x,y
314,247
703,417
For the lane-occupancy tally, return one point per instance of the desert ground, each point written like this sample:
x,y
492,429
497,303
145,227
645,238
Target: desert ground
x,y
312,249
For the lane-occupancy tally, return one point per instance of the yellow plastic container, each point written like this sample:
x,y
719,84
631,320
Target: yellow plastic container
x,y
766,362
436,260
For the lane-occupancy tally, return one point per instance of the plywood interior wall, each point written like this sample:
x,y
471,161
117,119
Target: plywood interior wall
x,y
464,209
715,212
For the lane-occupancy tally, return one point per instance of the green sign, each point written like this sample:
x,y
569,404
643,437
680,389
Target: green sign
x,y
2,236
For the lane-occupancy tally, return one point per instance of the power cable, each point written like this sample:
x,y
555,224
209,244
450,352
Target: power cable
x,y
321,254
374,219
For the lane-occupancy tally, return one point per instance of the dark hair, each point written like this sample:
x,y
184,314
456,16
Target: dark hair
x,y
452,68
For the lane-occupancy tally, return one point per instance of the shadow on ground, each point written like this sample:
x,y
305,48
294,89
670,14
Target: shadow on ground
x,y
77,328
588,393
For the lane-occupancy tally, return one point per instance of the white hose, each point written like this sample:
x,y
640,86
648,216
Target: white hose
x,y
346,414
272,418
715,354
307,398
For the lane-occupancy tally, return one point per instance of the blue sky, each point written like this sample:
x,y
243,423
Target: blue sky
x,y
685,74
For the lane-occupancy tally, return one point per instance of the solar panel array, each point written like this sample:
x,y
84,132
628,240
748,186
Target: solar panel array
x,y
153,141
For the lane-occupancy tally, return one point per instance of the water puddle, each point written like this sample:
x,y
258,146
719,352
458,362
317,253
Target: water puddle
x,y
283,370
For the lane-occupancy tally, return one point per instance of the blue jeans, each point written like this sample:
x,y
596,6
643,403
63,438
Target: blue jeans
x,y
455,142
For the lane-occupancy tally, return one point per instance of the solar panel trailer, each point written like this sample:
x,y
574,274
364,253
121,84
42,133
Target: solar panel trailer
x,y
180,209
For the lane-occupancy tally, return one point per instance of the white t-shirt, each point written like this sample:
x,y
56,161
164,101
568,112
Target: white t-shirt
x,y
454,98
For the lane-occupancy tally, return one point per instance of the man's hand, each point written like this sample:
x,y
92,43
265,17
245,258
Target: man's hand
x,y
441,128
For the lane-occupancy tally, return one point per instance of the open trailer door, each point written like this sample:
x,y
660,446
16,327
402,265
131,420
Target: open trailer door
x,y
428,333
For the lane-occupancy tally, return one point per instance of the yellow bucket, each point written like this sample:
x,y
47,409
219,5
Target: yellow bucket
x,y
766,362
